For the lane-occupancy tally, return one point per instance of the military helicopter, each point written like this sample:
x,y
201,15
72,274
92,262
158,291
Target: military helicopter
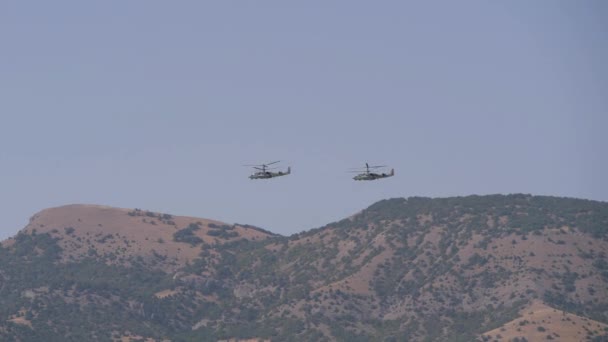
x,y
263,172
365,174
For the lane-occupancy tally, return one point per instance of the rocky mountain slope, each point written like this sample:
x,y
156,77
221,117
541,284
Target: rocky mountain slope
x,y
416,269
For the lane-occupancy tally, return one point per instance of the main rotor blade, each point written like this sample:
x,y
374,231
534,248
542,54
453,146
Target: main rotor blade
x,y
260,165
278,161
370,167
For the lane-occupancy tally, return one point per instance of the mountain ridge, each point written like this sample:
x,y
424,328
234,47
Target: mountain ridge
x,y
377,203
412,268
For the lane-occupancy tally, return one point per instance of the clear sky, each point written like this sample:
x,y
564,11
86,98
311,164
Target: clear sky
x,y
156,104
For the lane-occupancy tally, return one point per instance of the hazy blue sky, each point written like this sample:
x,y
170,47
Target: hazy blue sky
x,y
156,104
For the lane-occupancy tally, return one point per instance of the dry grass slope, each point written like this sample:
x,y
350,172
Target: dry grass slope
x,y
540,322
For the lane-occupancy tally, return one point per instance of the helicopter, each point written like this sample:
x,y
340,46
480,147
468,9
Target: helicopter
x,y
365,174
263,172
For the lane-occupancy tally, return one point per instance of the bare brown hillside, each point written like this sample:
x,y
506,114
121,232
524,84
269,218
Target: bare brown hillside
x,y
120,236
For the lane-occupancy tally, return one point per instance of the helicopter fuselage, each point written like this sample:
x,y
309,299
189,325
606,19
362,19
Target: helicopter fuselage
x,y
268,174
373,176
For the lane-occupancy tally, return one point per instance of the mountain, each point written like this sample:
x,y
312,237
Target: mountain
x,y
499,267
